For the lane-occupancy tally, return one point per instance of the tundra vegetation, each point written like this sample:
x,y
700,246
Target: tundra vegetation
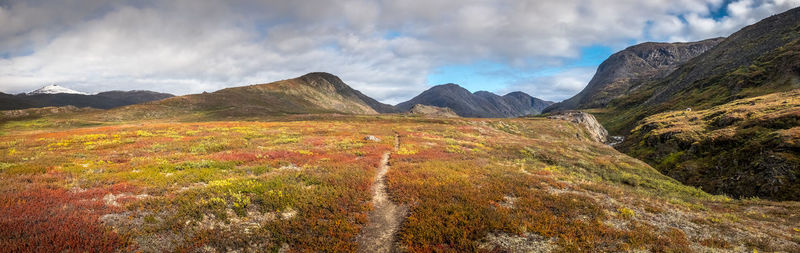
x,y
302,183
745,148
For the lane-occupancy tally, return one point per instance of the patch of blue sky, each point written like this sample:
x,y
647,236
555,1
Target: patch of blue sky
x,y
16,53
721,11
391,34
480,75
493,76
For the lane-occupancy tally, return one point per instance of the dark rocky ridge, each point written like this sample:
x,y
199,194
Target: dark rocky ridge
x,y
626,70
481,104
103,100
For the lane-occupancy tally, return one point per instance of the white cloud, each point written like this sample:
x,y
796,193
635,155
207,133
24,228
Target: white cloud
x,y
186,46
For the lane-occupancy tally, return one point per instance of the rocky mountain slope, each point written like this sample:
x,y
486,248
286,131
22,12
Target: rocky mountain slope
x,y
624,71
311,93
481,104
724,120
759,59
53,95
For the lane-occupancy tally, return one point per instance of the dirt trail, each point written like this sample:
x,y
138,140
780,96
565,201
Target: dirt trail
x,y
385,218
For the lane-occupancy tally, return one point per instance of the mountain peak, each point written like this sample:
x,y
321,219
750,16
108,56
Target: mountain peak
x,y
517,93
478,104
484,93
448,86
323,75
626,70
56,89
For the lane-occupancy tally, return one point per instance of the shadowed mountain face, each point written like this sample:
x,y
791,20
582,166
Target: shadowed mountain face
x,y
626,70
103,100
311,93
481,104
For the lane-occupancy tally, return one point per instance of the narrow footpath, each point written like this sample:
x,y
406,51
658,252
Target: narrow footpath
x,y
385,217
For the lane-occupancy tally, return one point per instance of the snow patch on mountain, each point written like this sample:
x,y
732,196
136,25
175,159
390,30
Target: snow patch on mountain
x,y
55,89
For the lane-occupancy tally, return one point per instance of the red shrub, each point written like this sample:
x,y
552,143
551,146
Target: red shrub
x,y
56,220
236,156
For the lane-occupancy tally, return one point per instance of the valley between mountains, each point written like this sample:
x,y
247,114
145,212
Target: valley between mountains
x,y
708,160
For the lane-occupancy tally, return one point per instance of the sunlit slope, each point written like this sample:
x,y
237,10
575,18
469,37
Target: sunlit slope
x,y
311,93
469,184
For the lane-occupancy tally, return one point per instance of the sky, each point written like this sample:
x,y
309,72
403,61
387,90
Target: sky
x,y
390,50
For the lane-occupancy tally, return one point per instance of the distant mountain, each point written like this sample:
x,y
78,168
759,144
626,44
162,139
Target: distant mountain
x,y
311,93
624,71
529,105
481,104
12,102
759,59
54,95
55,89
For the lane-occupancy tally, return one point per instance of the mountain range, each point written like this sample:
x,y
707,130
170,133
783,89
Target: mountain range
x,y
315,92
54,95
482,104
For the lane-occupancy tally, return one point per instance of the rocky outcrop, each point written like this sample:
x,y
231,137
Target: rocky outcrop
x,y
626,70
481,104
593,127
433,111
